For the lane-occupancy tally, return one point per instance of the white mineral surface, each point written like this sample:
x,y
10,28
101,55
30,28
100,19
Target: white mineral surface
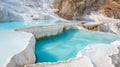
x,y
76,62
17,49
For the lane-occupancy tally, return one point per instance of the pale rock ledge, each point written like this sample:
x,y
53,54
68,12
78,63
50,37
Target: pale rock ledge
x,y
17,49
49,30
116,57
76,62
100,55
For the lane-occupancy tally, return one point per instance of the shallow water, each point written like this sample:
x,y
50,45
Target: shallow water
x,y
25,24
66,45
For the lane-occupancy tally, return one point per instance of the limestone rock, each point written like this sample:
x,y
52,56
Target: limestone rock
x,y
113,27
77,62
111,9
49,30
100,54
116,57
91,27
18,51
72,9
75,9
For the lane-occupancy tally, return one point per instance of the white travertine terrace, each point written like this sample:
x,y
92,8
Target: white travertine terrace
x,y
116,57
76,62
17,49
97,53
43,31
91,57
106,24
100,54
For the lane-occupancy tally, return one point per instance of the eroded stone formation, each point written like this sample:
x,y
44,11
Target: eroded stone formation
x,y
112,9
75,9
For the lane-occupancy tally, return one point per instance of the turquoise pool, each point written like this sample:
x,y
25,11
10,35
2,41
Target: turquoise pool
x,y
24,24
67,44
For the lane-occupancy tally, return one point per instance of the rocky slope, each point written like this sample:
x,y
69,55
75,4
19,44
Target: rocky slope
x,y
105,11
20,10
76,9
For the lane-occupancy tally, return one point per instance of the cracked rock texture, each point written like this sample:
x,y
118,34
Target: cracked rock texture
x,y
75,9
